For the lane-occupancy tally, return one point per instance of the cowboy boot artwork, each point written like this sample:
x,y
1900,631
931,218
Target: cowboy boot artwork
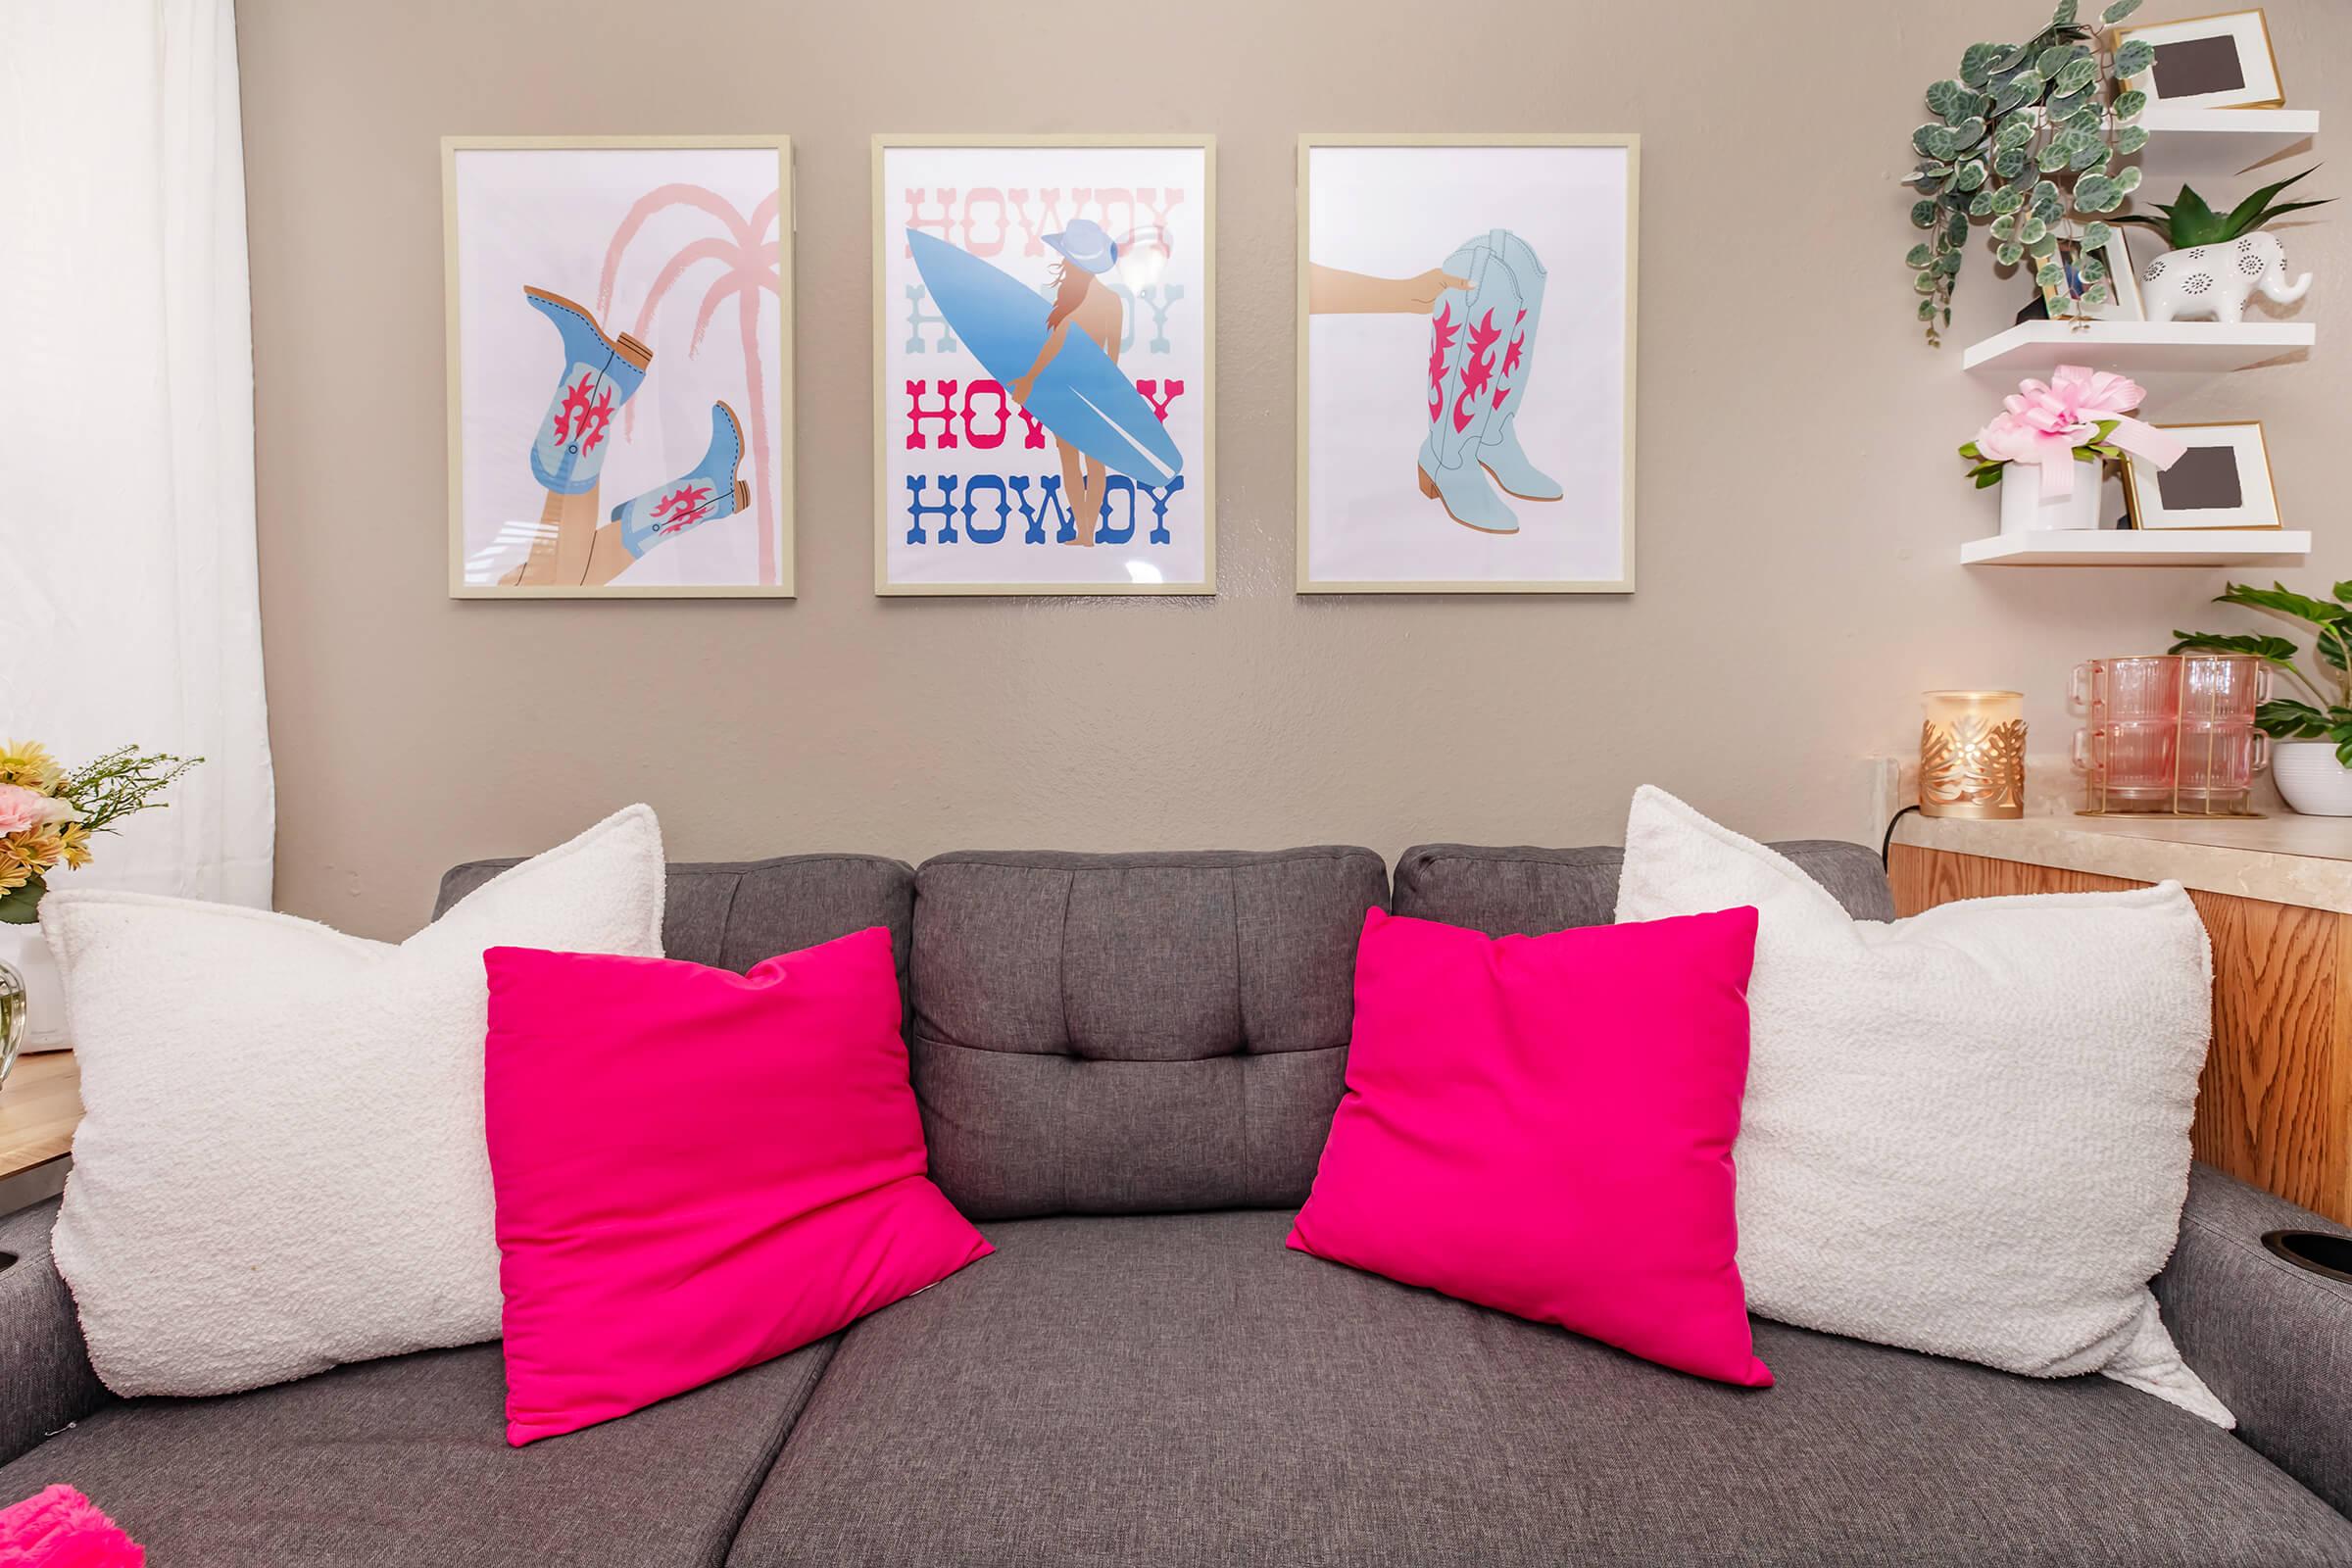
x,y
708,491
1482,345
567,454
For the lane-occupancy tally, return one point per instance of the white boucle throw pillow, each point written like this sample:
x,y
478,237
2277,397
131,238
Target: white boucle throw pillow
x,y
280,1164
1965,1132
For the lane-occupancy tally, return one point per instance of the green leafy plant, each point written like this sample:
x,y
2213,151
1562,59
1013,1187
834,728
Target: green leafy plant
x,y
2328,715
2189,222
2024,141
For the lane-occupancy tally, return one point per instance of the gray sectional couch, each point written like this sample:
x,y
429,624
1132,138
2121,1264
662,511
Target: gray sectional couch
x,y
1126,1067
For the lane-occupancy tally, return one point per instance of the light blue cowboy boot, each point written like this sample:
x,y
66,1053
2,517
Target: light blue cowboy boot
x,y
1499,444
1468,338
708,491
600,375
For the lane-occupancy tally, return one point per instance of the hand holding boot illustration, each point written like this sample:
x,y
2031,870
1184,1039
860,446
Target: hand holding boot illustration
x,y
1485,305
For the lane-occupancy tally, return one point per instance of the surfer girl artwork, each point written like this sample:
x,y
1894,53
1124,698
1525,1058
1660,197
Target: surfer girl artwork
x,y
1466,364
620,367
1044,322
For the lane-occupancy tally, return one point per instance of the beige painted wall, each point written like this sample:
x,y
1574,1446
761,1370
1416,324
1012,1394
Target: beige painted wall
x,y
1800,506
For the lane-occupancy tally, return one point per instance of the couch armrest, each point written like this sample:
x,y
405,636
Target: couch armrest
x,y
2272,1340
45,1376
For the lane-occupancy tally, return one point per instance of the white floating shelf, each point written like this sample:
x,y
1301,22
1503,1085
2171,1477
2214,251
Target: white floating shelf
x,y
2137,349
2134,547
2189,143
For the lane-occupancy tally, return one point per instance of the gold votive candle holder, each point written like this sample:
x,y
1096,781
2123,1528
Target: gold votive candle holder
x,y
1972,755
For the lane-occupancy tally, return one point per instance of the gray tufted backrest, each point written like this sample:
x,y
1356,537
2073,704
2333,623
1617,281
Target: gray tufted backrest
x,y
731,915
1502,889
1127,1033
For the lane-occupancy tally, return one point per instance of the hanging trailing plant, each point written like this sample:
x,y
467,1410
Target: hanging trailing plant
x,y
2025,140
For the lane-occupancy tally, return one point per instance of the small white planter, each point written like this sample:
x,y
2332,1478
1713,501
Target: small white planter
x,y
2025,510
2313,781
24,950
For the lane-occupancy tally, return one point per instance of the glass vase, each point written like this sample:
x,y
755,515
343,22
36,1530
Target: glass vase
x,y
12,1018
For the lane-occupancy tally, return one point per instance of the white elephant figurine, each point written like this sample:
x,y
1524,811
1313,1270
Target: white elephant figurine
x,y
2217,280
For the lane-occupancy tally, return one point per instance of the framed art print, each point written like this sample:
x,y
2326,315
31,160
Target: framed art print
x,y
2217,62
619,365
2063,300
1466,364
2222,481
1044,328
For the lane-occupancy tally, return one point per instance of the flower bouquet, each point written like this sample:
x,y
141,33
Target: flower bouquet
x,y
2057,432
48,816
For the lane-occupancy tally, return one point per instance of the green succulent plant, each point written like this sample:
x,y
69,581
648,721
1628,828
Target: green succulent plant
x,y
2188,222
2025,140
2328,715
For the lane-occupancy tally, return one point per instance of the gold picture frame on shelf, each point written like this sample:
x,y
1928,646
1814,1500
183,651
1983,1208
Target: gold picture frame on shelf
x,y
2223,61
2222,481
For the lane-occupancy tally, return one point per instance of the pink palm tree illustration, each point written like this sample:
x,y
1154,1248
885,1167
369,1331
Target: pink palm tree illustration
x,y
747,259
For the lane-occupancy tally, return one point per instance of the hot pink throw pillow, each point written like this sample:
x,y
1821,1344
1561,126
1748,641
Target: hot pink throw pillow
x,y
1544,1125
698,1170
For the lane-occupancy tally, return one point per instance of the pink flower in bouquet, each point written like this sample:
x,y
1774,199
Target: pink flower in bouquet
x,y
2044,422
22,809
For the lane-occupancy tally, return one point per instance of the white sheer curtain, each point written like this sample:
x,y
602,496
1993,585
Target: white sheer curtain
x,y
129,608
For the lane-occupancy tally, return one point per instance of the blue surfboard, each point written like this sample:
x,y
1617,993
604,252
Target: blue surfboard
x,y
1081,396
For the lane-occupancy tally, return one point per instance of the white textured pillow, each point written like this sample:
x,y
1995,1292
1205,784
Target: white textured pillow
x,y
281,1163
1965,1132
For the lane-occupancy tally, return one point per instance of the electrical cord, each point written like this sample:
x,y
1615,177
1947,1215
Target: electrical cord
x,y
1886,843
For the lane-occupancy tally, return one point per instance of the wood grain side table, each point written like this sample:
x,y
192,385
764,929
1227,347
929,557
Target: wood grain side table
x,y
2275,1104
40,1107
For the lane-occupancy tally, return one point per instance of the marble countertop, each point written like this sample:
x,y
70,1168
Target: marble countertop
x,y
2281,859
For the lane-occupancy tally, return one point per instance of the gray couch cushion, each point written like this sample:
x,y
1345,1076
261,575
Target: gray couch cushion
x,y
1504,889
45,1376
1123,1033
2272,1340
731,915
403,1463
1182,1389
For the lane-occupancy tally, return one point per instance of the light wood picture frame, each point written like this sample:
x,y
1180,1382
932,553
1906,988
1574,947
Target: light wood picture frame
x,y
1400,234
2124,302
2221,61
1044,325
2224,481
618,340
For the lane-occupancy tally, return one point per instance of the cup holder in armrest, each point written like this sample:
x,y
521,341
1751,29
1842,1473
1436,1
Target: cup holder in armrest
x,y
2321,1251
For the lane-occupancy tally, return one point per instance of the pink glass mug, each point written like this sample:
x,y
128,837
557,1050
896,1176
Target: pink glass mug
x,y
2209,764
2145,687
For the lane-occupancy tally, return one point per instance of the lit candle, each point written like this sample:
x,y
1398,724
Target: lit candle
x,y
1972,755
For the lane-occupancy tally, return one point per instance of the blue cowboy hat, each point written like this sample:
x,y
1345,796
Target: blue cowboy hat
x,y
1088,248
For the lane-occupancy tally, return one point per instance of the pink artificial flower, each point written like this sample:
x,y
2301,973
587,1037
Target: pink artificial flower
x,y
20,808
2045,421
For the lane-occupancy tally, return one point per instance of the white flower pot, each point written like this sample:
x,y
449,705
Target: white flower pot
x,y
2313,781
24,950
2024,509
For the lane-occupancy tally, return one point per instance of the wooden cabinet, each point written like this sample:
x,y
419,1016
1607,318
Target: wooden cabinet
x,y
2274,1107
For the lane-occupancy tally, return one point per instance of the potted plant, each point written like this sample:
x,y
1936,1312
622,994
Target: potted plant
x,y
2311,752
2214,261
48,816
2024,137
2048,446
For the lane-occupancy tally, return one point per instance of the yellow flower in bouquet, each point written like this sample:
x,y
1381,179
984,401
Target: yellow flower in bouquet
x,y
48,815
29,765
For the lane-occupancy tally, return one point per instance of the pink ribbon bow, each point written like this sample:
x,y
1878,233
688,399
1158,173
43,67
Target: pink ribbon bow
x,y
2047,419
